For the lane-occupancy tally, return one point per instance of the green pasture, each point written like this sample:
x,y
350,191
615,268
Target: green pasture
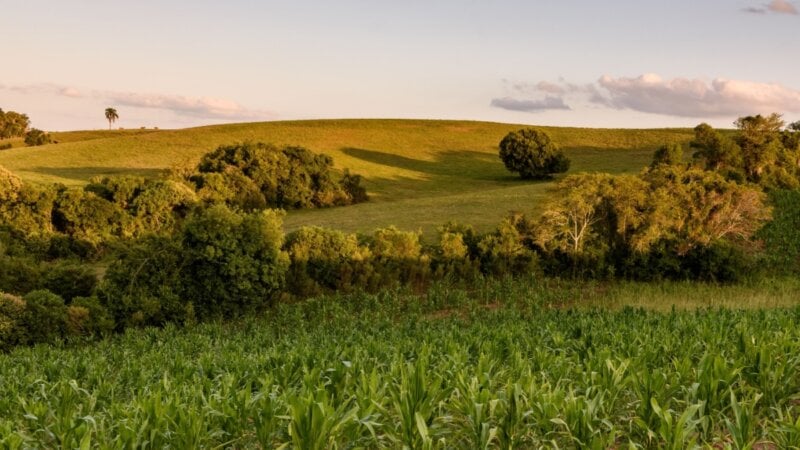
x,y
420,173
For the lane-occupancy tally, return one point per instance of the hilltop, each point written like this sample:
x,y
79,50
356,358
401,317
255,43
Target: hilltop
x,y
420,173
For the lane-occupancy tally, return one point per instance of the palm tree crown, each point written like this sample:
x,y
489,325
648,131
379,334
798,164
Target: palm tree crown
x,y
111,116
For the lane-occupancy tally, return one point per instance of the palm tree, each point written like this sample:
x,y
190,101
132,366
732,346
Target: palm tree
x,y
111,116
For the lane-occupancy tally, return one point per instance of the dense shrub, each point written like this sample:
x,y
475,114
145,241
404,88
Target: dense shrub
x,y
781,236
257,176
87,216
12,316
143,284
45,318
69,280
456,255
508,250
398,257
35,137
233,261
324,260
151,206
19,275
86,316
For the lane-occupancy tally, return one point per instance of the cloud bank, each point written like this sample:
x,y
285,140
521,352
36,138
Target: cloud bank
x,y
649,93
195,107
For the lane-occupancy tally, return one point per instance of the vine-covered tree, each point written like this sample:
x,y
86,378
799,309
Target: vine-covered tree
x,y
532,154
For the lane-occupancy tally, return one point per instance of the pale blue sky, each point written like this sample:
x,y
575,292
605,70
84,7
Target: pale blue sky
x,y
182,63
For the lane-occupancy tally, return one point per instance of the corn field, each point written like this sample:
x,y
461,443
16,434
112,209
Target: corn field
x,y
454,370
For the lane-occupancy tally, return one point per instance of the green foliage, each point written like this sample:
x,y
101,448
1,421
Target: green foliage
x,y
35,137
781,235
88,317
256,176
326,260
12,321
398,257
233,261
19,275
87,216
668,211
69,279
508,250
45,318
716,151
532,154
143,284
13,124
670,154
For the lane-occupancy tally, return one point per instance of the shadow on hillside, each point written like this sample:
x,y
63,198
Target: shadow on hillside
x,y
454,163
85,173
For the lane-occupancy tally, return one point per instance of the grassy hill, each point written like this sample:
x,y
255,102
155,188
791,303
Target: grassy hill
x,y
420,173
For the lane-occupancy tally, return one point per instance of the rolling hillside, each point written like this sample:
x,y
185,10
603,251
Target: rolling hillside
x,y
419,173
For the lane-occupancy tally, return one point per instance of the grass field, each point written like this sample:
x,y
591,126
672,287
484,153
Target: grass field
x,y
502,365
420,174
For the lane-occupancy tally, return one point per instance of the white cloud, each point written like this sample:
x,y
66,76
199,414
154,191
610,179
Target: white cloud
x,y
775,6
513,104
649,93
200,107
196,107
782,7
696,98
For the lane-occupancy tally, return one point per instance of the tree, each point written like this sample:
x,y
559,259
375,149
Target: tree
x,y
532,154
13,124
717,151
36,137
670,154
111,116
759,139
570,217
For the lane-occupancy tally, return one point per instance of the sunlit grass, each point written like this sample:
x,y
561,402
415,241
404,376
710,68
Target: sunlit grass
x,y
420,173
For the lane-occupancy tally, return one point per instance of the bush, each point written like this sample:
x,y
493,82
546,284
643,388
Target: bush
x,y
69,280
36,137
257,176
85,215
233,261
86,316
45,318
532,154
456,256
12,316
507,250
398,257
142,287
19,275
781,236
325,260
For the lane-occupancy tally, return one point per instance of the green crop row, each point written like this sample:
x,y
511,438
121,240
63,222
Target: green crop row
x,y
493,367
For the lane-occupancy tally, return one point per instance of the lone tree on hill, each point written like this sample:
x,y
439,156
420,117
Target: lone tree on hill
x,y
532,154
111,116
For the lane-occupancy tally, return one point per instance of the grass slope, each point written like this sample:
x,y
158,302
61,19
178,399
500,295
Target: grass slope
x,y
420,173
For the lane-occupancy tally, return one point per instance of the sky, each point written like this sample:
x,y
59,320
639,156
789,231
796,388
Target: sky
x,y
614,63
